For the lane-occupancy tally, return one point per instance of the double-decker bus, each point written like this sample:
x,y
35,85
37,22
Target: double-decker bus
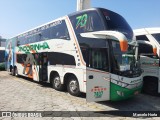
x,y
82,52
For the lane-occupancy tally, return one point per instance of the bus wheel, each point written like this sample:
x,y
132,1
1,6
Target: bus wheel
x,y
16,72
73,86
56,83
12,72
151,87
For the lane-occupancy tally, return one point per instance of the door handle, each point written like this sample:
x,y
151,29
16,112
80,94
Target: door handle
x,y
90,76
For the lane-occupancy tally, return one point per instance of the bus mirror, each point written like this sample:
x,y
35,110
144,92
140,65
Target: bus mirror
x,y
154,51
150,44
123,45
114,35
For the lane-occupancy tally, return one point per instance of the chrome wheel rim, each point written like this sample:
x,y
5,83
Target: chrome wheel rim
x,y
73,86
57,82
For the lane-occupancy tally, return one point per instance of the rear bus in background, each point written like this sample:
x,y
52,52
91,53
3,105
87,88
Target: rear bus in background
x,y
86,51
149,62
2,58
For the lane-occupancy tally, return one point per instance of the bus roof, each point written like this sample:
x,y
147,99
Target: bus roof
x,y
90,9
77,12
145,31
54,21
39,26
82,11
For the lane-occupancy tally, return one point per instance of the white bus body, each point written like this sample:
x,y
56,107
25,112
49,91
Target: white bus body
x,y
81,53
150,64
149,34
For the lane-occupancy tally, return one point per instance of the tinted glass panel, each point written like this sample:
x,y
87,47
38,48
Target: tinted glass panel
x,y
157,37
95,52
55,30
2,55
116,22
92,42
96,58
86,22
142,37
122,58
146,50
60,58
21,58
99,59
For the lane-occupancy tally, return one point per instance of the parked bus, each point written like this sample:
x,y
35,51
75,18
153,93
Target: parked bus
x,y
149,62
2,58
149,34
150,66
82,52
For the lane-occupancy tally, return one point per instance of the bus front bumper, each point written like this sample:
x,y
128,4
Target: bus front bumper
x,y
120,93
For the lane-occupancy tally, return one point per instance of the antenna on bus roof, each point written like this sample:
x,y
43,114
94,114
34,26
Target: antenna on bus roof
x,y
83,4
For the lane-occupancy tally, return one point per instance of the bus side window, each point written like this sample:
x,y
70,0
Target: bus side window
x,y
62,31
142,37
156,36
85,53
146,50
44,35
17,42
21,58
22,40
98,59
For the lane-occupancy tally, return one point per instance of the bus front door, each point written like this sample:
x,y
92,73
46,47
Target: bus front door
x,y
43,66
97,75
98,86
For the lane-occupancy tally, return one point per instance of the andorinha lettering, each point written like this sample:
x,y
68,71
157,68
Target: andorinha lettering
x,y
35,47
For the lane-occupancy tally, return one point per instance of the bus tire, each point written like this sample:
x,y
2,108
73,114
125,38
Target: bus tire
x,y
16,72
151,87
56,83
73,86
12,71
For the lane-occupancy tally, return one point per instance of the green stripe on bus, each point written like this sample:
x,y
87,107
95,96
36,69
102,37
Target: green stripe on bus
x,y
120,93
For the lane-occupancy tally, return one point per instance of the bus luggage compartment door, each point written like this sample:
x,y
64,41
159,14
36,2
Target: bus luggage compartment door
x,y
98,86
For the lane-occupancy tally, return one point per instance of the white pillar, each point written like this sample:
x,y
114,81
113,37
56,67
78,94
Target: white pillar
x,y
83,4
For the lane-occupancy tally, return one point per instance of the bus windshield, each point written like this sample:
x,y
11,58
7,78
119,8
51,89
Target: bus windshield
x,y
117,23
124,62
88,21
122,58
100,20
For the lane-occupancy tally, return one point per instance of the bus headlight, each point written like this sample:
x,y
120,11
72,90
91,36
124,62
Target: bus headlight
x,y
120,93
124,84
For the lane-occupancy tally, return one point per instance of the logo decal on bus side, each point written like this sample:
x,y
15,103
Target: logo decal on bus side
x,y
82,20
98,91
27,70
34,47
